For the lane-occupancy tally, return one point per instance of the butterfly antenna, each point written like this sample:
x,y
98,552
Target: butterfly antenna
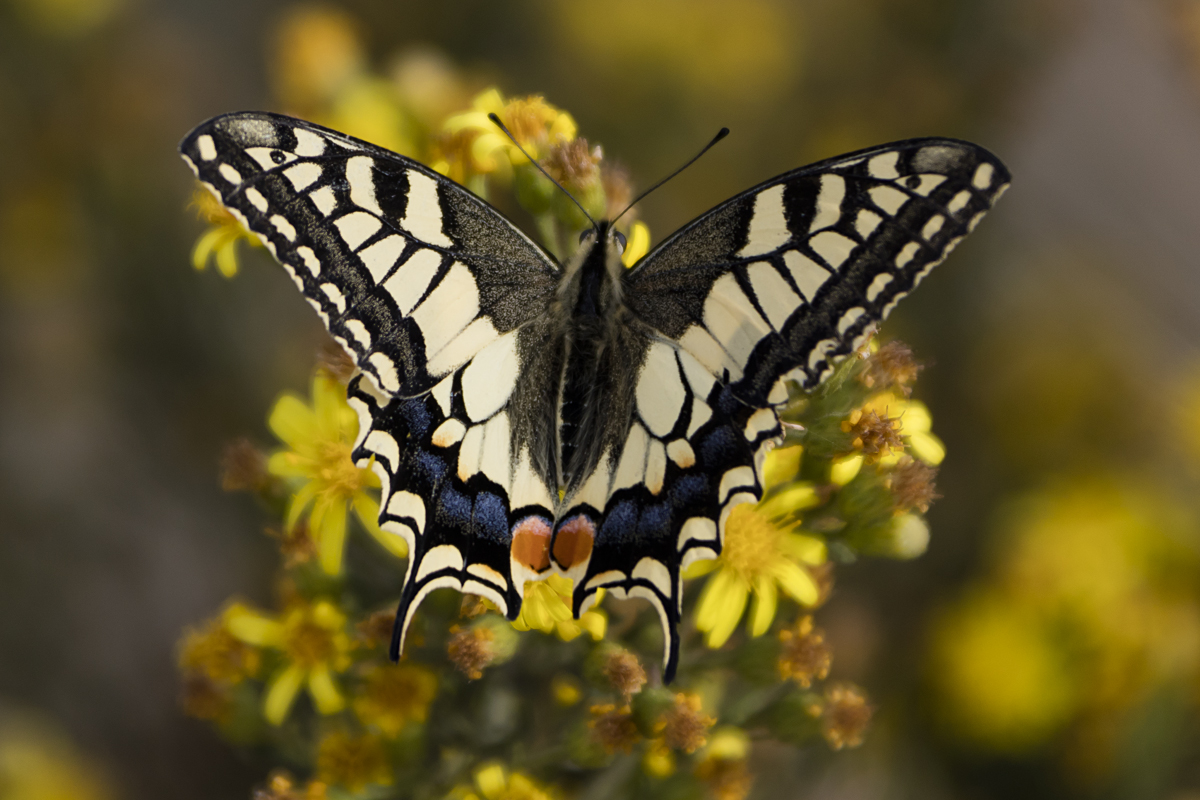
x,y
721,134
494,118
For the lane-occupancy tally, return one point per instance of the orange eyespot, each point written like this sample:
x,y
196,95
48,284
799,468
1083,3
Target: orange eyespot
x,y
573,544
531,543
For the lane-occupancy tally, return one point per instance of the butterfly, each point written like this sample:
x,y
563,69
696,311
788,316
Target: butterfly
x,y
527,417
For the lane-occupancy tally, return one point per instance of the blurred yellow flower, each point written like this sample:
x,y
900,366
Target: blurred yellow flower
x,y
39,763
215,652
547,608
219,242
758,558
315,646
353,761
1001,682
493,782
473,145
317,53
393,695
722,765
319,439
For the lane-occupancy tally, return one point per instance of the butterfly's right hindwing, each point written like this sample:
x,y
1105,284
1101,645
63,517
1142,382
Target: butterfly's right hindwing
x,y
412,274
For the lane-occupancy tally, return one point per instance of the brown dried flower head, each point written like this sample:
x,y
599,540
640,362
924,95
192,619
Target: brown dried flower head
x,y
204,698
574,165
618,190
874,435
614,728
685,726
845,716
624,672
727,779
336,362
891,367
805,655
471,650
282,787
377,627
912,485
243,467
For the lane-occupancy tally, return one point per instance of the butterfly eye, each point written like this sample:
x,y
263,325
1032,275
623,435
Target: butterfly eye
x,y
583,234
620,240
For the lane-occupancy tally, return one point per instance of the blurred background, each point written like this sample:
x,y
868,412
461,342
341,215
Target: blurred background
x,y
1047,644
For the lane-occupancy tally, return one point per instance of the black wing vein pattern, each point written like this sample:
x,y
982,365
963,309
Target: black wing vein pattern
x,y
449,313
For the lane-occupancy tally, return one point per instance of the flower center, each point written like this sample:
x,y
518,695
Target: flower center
x,y
337,470
308,644
751,542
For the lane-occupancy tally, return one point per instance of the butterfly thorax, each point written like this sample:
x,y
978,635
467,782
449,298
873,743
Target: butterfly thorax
x,y
589,296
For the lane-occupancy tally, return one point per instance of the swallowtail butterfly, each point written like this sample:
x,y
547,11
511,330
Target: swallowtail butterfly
x,y
528,417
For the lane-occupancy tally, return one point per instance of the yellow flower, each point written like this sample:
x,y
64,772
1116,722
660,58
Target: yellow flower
x,y
1001,680
317,53
547,608
320,438
354,762
38,763
473,145
723,764
392,695
219,242
315,646
493,782
758,559
217,654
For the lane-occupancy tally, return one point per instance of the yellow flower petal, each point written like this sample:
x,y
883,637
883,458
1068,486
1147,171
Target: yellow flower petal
x,y
292,421
712,597
700,568
491,780
324,691
281,692
762,606
595,623
844,469
926,447
637,245
808,549
791,500
797,583
567,630
253,628
368,514
328,530
205,246
297,505
728,614
227,257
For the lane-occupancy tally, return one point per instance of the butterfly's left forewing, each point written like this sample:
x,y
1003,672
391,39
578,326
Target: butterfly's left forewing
x,y
772,286
442,304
